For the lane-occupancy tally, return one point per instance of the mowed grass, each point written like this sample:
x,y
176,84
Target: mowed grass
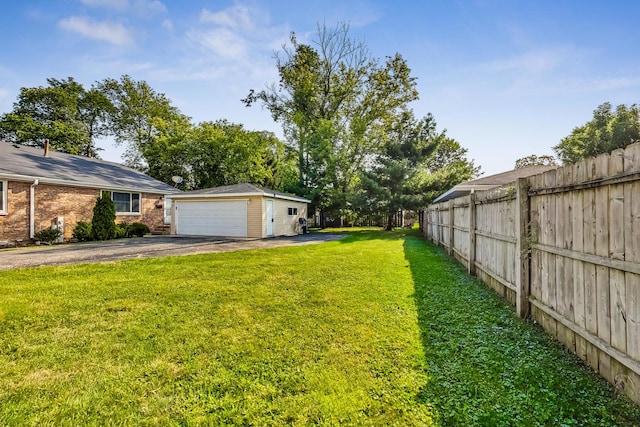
x,y
322,334
377,329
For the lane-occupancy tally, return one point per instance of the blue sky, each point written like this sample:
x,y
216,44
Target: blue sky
x,y
506,78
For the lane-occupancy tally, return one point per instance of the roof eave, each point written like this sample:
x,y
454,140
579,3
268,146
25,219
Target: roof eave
x,y
67,183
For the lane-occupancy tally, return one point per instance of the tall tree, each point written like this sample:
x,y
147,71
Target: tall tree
x,y
607,131
334,102
137,110
390,184
64,112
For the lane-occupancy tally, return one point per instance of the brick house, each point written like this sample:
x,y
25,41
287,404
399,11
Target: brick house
x,y
40,188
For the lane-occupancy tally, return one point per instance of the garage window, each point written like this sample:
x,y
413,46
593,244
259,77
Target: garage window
x,y
126,202
3,197
293,211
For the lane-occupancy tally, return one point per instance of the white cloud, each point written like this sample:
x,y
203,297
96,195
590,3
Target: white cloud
x,y
140,6
236,17
112,4
110,32
536,61
167,24
222,42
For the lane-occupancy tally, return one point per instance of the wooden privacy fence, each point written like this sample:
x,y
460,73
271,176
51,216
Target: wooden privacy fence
x,y
564,248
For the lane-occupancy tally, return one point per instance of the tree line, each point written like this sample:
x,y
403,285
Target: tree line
x,y
352,144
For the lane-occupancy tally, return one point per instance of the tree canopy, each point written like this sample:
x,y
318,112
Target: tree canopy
x,y
607,131
335,101
535,160
65,113
352,143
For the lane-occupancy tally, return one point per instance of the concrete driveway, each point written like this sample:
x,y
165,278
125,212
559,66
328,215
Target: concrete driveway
x,y
144,247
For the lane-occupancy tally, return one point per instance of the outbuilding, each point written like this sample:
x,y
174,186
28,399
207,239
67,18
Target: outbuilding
x,y
241,210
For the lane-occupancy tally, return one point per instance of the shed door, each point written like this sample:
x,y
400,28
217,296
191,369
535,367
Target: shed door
x,y
270,219
212,218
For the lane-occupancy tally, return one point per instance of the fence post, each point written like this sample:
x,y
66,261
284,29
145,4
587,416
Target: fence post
x,y
471,268
522,246
451,219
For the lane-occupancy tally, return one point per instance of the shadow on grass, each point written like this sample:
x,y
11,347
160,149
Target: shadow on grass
x,y
361,234
488,367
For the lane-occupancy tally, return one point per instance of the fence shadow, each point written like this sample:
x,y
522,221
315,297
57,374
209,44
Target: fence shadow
x,y
488,367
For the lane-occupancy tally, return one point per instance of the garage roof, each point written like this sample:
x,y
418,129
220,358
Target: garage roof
x,y
491,181
239,190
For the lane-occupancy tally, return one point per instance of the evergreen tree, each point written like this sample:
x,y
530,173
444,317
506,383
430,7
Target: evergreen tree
x,y
103,224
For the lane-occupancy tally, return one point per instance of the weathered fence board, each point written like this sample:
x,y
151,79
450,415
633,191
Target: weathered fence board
x,y
564,248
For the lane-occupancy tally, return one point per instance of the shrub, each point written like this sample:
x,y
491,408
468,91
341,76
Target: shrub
x,y
48,235
138,229
82,231
103,224
122,230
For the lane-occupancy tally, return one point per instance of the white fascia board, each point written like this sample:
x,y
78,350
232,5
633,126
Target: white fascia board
x,y
53,181
235,195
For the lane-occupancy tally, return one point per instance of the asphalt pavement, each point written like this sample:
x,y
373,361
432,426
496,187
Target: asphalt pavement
x,y
144,247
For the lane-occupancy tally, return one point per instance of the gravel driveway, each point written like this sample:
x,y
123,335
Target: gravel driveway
x,y
144,247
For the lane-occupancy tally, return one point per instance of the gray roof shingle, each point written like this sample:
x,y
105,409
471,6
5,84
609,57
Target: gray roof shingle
x,y
241,189
67,169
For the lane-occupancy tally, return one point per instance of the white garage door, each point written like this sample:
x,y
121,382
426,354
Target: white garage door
x,y
212,218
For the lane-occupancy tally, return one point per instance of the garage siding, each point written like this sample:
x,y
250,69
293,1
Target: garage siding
x,y
256,218
284,223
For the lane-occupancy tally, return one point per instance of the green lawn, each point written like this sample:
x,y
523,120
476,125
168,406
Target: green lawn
x,y
377,329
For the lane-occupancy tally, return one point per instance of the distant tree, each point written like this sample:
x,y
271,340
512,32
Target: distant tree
x,y
64,112
607,131
534,160
138,110
390,185
218,153
103,223
447,167
334,101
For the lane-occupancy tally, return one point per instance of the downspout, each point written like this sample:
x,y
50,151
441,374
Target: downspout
x,y
32,209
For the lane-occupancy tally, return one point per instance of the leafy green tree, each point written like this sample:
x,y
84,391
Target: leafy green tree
x,y
390,185
534,160
138,110
335,101
218,153
64,112
607,131
445,168
103,223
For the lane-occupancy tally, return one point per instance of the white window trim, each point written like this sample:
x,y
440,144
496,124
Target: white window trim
x,y
5,191
130,193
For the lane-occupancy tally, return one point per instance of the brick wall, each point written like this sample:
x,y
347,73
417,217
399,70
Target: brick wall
x,y
72,203
15,224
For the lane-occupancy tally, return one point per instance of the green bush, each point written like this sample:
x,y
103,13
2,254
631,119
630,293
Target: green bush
x,y
138,229
103,224
48,235
122,230
82,231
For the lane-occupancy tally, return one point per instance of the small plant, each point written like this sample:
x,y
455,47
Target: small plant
x,y
103,224
48,235
138,229
122,230
82,231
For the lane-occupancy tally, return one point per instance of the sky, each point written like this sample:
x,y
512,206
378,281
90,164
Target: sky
x,y
505,78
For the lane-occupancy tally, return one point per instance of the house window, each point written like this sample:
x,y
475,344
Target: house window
x,y
3,197
126,202
293,211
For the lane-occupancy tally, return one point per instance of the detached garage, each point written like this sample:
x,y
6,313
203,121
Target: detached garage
x,y
241,210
